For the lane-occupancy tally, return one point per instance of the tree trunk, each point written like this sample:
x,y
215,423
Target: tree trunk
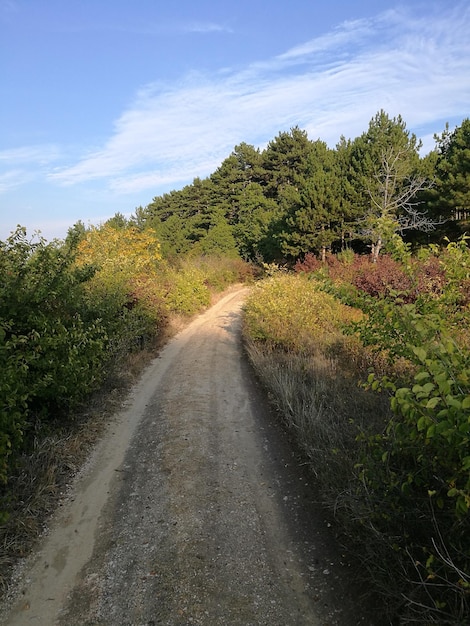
x,y
376,247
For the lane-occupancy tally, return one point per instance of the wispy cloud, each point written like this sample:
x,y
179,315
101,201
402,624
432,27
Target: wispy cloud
x,y
205,27
346,34
11,179
332,85
41,154
21,165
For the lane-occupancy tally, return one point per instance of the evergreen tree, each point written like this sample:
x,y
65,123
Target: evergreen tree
x,y
313,222
450,196
285,160
231,179
218,239
256,214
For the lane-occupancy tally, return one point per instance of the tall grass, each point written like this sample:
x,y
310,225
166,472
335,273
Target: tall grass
x,y
293,336
324,407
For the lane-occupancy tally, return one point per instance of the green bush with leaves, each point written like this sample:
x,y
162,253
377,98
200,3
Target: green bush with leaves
x,y
190,281
51,355
187,292
417,474
413,488
14,394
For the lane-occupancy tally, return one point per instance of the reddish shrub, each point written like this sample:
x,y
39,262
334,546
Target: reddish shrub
x,y
309,264
337,269
381,278
430,276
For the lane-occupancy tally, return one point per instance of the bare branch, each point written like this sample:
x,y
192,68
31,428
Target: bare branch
x,y
417,220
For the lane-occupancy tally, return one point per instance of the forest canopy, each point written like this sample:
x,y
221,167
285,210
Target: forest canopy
x,y
299,196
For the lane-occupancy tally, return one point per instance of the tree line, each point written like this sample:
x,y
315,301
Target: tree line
x,y
299,196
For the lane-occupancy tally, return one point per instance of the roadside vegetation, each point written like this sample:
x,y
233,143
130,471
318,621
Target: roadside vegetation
x,y
359,331
78,319
369,364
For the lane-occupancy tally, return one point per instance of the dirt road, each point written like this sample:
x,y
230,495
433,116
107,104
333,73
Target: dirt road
x,y
191,510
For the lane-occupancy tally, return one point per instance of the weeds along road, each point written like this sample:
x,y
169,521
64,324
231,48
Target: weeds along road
x,y
191,510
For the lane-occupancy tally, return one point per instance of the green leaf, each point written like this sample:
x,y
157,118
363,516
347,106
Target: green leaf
x,y
420,353
443,426
466,402
453,402
445,386
433,402
402,392
428,387
422,422
422,376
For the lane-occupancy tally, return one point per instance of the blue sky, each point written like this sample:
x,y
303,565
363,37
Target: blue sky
x,y
106,104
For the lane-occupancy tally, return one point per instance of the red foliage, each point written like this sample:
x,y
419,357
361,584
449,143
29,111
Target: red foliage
x,y
335,267
430,276
309,264
381,278
385,276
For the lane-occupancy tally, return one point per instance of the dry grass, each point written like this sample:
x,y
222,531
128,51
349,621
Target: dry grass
x,y
326,408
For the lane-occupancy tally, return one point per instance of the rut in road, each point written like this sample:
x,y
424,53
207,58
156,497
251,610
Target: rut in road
x,y
192,510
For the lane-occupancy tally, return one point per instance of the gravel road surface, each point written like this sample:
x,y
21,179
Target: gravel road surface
x,y
192,510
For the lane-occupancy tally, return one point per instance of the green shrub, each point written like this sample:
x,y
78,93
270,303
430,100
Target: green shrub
x,y
418,473
50,356
187,292
14,395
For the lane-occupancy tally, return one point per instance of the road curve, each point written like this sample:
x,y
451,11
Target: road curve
x,y
191,510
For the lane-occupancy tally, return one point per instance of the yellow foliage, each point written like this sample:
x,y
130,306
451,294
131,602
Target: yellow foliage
x,y
127,251
129,268
290,311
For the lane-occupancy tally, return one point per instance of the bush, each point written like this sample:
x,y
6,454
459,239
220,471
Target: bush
x,y
50,353
418,473
382,278
187,292
292,313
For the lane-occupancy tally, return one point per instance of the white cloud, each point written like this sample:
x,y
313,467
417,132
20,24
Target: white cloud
x,y
330,86
205,27
42,154
11,179
346,34
20,165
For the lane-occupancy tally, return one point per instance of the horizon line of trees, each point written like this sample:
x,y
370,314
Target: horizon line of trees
x,y
298,196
